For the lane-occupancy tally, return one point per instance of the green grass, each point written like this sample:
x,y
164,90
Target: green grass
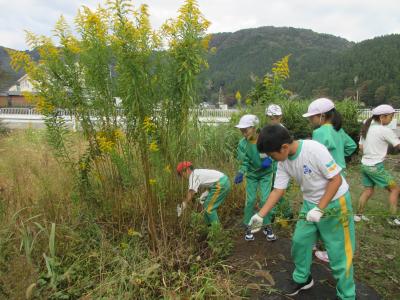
x,y
93,257
377,254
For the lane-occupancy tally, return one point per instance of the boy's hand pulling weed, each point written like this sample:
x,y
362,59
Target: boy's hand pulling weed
x,y
314,215
180,208
255,223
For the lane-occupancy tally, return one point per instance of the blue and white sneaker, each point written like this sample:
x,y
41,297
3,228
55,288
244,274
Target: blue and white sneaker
x,y
269,233
249,237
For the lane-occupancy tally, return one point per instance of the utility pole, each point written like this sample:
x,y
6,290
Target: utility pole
x,y
221,97
355,85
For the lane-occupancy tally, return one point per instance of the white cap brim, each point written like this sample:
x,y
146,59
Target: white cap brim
x,y
306,115
242,126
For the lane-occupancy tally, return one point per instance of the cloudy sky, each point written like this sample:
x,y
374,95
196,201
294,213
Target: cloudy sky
x,y
355,20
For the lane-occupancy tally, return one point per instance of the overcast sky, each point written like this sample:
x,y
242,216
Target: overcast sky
x,y
355,20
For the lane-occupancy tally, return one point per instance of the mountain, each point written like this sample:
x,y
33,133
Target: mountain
x,y
320,64
251,52
370,68
7,75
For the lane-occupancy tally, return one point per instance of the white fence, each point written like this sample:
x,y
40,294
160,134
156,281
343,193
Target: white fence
x,y
16,117
364,114
206,113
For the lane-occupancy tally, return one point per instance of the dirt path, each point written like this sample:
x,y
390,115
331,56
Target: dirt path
x,y
267,269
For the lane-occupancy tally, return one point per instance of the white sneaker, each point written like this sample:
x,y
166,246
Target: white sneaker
x,y
322,255
394,221
249,237
364,218
359,217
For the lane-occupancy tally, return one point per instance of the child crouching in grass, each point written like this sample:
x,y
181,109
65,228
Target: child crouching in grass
x,y
216,182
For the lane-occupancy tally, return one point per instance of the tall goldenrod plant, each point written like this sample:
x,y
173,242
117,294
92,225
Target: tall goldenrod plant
x,y
270,87
116,55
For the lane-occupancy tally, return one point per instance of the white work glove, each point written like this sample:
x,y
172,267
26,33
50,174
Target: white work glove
x,y
256,223
180,208
203,197
314,215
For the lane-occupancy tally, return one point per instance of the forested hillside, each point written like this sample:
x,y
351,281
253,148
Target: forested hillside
x,y
320,65
242,55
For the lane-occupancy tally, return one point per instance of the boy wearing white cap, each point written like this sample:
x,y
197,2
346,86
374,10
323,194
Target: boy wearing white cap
x,y
374,142
258,171
274,113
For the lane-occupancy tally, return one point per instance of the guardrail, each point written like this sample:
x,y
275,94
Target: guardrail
x,y
364,114
214,116
204,113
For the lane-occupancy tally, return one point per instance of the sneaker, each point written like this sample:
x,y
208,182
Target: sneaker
x,y
269,233
359,217
295,287
394,221
249,237
322,255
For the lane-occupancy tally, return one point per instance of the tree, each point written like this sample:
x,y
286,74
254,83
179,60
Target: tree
x,y
380,95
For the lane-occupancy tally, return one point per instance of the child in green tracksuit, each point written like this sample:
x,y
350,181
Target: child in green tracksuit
x,y
258,172
275,115
216,183
329,132
325,192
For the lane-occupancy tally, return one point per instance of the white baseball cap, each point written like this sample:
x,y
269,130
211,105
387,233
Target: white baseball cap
x,y
273,110
248,121
319,106
383,109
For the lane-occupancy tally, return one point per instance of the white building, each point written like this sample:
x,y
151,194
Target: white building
x,y
23,85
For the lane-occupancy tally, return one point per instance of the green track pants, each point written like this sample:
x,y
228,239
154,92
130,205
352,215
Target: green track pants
x,y
217,194
337,233
262,184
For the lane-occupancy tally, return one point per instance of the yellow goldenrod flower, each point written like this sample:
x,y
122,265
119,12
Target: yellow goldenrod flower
x,y
205,41
133,232
149,125
238,96
82,165
105,144
153,146
118,134
281,68
283,222
167,169
43,106
152,181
